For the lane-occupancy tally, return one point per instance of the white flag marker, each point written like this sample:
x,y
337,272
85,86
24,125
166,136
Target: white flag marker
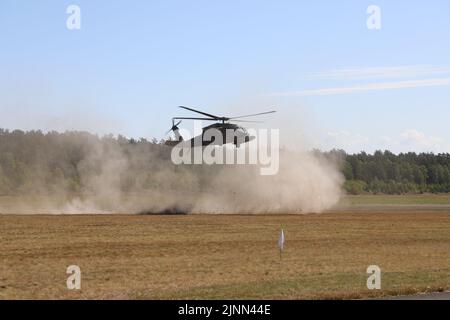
x,y
281,242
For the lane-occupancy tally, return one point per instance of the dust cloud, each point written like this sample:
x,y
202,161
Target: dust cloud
x,y
81,173
105,175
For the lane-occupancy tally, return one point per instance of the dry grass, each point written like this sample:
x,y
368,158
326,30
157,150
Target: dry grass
x,y
229,257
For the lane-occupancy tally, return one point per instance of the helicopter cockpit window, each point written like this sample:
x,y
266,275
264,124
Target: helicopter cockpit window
x,y
242,131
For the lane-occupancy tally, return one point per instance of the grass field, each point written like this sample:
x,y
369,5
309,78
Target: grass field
x,y
226,256
398,200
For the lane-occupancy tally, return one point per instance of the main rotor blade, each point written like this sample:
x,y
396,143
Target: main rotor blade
x,y
252,115
187,118
247,121
201,112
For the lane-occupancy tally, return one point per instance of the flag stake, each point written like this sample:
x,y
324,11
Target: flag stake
x,y
281,243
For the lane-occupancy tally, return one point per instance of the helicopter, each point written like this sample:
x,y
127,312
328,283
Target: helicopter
x,y
240,134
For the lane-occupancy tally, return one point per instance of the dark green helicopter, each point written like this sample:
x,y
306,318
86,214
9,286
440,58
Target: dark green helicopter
x,y
223,125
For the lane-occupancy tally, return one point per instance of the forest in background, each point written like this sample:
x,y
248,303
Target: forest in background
x,y
34,162
385,172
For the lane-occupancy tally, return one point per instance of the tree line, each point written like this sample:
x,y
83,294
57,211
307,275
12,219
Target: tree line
x,y
388,173
34,160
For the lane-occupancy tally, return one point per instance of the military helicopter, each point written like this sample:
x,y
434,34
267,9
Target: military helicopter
x,y
223,125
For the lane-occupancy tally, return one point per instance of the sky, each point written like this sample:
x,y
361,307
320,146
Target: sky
x,y
332,80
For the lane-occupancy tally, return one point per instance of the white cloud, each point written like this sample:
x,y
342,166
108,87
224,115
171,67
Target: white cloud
x,y
410,73
369,87
409,140
381,72
419,141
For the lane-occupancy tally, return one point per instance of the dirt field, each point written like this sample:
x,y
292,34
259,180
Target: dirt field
x,y
229,257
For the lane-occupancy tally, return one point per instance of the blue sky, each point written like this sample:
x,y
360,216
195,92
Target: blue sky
x,y
332,80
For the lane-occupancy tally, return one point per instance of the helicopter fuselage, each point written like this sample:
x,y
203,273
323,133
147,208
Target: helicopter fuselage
x,y
224,133
216,134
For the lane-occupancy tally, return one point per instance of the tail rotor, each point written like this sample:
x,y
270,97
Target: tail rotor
x,y
175,130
